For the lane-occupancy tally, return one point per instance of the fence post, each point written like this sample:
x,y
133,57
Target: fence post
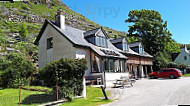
x,y
184,71
19,94
103,90
84,88
57,91
19,91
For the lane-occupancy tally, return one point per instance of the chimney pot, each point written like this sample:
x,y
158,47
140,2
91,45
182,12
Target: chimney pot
x,y
60,19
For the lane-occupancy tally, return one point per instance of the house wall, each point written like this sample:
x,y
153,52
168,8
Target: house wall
x,y
84,53
62,48
146,61
59,50
139,60
180,57
133,59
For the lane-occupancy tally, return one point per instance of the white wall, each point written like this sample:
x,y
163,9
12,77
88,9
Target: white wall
x,y
180,57
61,47
84,53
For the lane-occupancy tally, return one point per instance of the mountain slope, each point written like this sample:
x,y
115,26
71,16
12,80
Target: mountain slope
x,y
35,12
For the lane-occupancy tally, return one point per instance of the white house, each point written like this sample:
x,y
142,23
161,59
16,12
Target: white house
x,y
57,40
183,56
106,62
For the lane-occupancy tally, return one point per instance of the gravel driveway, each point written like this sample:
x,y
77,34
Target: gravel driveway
x,y
155,92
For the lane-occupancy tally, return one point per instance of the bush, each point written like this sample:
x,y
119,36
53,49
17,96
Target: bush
x,y
177,65
68,73
14,68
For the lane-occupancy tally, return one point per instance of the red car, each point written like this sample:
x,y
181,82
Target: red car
x,y
168,72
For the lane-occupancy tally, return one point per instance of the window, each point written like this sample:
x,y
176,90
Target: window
x,y
125,46
178,70
185,57
96,64
122,65
100,41
49,43
112,65
95,67
109,65
103,41
141,49
161,71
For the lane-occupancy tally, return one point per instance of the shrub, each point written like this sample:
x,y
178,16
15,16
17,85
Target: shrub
x,y
14,68
177,65
68,73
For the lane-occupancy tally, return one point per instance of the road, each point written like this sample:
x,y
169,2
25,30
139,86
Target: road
x,y
155,92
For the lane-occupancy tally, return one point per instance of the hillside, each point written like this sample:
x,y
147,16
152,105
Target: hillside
x,y
12,15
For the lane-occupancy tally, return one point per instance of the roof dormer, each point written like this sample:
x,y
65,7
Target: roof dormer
x,y
121,43
97,37
137,47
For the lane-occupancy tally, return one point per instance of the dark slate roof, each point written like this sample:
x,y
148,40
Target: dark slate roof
x,y
130,51
135,44
90,32
145,54
94,32
119,40
174,56
76,37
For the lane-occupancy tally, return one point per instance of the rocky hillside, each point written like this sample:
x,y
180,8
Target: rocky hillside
x,y
34,12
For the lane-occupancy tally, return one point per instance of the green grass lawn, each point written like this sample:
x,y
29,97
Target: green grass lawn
x,y
10,97
186,75
93,98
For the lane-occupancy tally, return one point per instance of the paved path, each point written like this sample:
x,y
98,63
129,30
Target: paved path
x,y
155,92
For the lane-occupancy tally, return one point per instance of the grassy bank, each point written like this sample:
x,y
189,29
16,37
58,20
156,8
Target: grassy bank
x,y
10,97
29,97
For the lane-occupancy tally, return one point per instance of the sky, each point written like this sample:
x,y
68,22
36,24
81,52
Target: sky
x,y
113,13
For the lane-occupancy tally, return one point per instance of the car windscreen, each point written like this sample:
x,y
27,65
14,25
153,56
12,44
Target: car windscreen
x,y
178,70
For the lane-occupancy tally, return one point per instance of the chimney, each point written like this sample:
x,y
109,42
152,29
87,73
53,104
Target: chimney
x,y
60,19
183,48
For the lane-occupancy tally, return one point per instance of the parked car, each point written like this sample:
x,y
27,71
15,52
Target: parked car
x,y
168,72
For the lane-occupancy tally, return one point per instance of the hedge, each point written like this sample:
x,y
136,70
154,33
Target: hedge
x,y
68,73
176,65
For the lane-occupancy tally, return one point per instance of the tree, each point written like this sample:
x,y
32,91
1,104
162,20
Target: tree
x,y
149,28
152,31
23,31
